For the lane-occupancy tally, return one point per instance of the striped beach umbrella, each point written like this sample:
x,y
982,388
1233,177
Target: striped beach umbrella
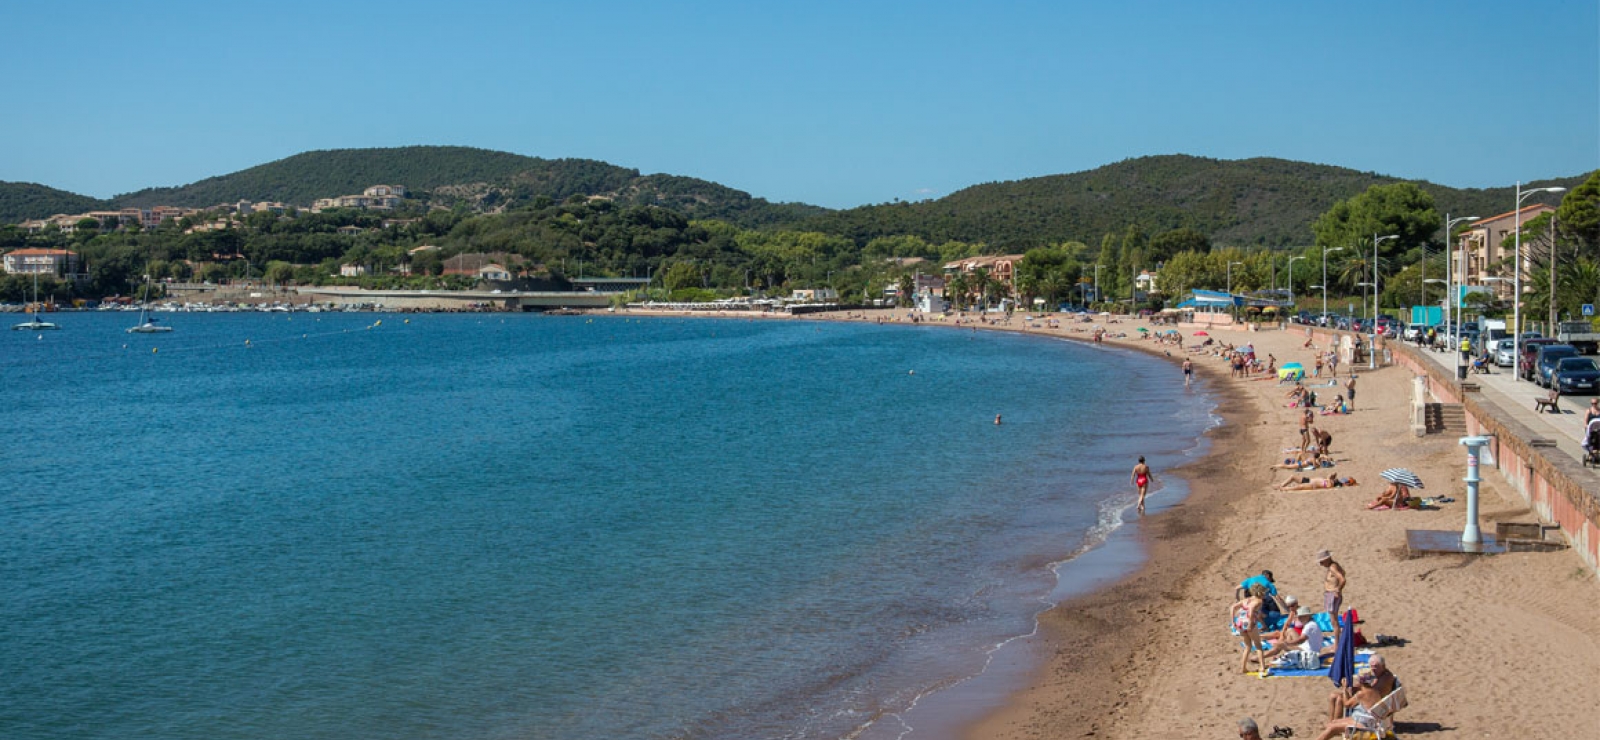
x,y
1403,476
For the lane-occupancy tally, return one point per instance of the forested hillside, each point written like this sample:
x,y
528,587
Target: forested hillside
x,y
1251,202
479,178
23,200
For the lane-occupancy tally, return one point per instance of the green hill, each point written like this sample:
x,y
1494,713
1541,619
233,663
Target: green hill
x,y
1260,201
485,179
24,200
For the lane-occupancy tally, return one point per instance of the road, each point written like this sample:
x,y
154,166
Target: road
x,y
1515,398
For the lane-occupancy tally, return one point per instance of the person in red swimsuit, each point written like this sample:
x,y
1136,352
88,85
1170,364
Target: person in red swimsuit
x,y
1141,478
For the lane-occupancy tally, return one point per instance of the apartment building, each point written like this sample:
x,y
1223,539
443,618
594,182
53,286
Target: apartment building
x,y
1485,248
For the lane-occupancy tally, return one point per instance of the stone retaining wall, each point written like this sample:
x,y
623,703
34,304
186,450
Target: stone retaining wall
x,y
1551,482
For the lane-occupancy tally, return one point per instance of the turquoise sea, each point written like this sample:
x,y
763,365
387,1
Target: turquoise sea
x,y
517,526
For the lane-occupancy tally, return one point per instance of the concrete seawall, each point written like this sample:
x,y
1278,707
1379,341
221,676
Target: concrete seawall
x,y
1554,485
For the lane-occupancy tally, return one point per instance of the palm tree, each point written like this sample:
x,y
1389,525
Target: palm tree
x,y
955,289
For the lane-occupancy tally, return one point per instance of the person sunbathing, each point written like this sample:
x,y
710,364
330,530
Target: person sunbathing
x,y
1337,407
1393,497
1312,484
1311,459
1371,686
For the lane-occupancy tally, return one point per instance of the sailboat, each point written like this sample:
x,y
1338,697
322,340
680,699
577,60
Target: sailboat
x,y
147,323
34,324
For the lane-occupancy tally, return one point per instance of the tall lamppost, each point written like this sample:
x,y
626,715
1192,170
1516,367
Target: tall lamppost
x,y
1516,290
1230,285
1097,283
1425,282
1372,357
1325,252
1450,294
1290,270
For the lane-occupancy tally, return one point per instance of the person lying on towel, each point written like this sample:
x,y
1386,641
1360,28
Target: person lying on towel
x,y
1312,484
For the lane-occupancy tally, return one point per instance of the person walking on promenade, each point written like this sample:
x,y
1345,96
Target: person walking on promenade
x,y
1141,478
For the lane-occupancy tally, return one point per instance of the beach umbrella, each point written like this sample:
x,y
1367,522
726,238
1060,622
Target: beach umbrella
x,y
1201,334
1343,670
1403,476
1292,366
1143,330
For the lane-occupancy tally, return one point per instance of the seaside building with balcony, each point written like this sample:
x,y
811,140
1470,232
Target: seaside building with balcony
x,y
1486,251
41,262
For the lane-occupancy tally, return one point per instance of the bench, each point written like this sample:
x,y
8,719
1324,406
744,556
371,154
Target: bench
x,y
1553,401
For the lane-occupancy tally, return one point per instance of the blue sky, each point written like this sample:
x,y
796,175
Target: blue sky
x,y
833,103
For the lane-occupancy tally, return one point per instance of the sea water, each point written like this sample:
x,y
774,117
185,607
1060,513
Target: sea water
x,y
516,526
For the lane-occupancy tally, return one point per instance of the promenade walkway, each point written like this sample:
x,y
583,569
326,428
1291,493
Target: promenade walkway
x,y
1515,399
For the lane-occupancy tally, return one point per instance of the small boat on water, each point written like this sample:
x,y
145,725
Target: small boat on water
x,y
34,324
149,326
147,323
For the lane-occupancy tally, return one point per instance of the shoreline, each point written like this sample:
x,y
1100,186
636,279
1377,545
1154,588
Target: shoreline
x,y
1051,656
1149,655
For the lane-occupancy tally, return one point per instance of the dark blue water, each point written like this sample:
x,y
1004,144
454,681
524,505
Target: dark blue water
x,y
369,526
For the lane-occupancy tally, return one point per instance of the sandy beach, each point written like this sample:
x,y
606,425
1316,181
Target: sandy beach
x,y
1497,646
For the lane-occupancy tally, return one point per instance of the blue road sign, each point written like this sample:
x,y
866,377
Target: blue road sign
x,y
1588,309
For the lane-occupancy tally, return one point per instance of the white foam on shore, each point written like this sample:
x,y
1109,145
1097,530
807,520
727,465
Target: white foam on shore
x,y
1112,515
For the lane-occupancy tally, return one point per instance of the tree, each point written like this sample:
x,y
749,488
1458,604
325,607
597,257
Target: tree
x,y
279,272
682,275
907,286
956,288
1401,208
1169,243
1579,214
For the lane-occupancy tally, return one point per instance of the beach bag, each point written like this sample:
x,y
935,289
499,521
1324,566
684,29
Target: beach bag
x,y
1300,660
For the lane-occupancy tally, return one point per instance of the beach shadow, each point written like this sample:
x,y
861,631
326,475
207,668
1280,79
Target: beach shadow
x,y
1419,728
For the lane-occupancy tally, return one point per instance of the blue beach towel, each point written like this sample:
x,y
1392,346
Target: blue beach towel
x,y
1361,659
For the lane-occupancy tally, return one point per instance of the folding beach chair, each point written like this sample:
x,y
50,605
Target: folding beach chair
x,y
1378,723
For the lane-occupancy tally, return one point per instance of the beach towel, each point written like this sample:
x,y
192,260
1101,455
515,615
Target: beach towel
x,y
1321,671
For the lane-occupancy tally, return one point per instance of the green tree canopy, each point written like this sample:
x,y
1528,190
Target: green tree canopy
x,y
1402,209
1579,214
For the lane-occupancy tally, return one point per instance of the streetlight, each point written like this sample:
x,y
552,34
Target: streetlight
x,y
1451,294
1290,270
1372,357
1324,285
1425,281
1230,284
1516,328
1097,283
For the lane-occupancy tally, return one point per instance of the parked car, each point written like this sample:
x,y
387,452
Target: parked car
x,y
1505,355
1530,348
1575,375
1549,355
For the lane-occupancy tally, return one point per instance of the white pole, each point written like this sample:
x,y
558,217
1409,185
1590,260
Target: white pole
x,y
1516,311
1516,290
